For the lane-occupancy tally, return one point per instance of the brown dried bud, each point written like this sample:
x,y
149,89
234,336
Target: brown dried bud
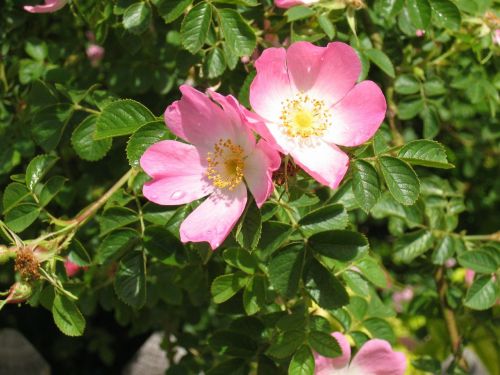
x,y
356,4
27,263
280,176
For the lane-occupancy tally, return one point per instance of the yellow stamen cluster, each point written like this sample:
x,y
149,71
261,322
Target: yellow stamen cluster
x,y
225,165
304,117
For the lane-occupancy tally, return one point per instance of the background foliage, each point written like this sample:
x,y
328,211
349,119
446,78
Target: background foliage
x,y
419,206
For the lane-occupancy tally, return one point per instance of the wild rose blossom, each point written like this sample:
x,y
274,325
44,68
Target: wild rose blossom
x,y
309,101
375,357
402,296
49,6
291,3
222,158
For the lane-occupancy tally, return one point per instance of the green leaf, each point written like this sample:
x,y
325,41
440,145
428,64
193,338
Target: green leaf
x,y
482,293
239,36
324,344
241,259
162,244
445,249
48,125
254,296
195,26
285,344
356,283
84,143
401,180
170,10
67,316
409,109
226,286
14,194
116,217
419,12
145,136
446,13
285,269
130,280
36,49
137,17
412,245
365,184
478,261
249,229
389,8
37,168
406,84
434,87
333,216
430,119
342,245
327,26
77,254
298,12
372,271
22,216
115,244
380,59
215,63
274,234
302,362
121,117
324,288
425,152
379,328
247,3
233,344
48,191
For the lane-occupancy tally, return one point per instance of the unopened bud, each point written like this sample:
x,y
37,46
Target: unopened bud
x,y
6,253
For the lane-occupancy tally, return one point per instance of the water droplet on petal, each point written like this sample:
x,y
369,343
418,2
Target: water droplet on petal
x,y
177,195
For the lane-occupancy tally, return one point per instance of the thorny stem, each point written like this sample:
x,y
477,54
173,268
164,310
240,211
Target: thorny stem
x,y
449,318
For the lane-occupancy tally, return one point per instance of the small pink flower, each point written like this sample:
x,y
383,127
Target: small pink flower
x,y
291,3
309,103
375,357
496,37
469,276
401,297
420,33
71,268
450,263
224,157
95,54
50,6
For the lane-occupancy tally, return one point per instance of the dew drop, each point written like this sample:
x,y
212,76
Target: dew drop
x,y
177,194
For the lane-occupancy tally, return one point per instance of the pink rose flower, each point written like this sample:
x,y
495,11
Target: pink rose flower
x,y
222,158
291,3
95,54
309,103
375,357
49,6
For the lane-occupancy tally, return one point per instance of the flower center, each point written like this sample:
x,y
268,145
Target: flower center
x,y
304,117
225,165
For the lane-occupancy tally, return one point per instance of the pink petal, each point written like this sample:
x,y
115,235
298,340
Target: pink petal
x,y
213,220
49,6
175,190
271,85
71,268
290,3
328,75
304,62
197,119
326,366
236,113
258,125
172,158
326,163
259,167
376,357
358,116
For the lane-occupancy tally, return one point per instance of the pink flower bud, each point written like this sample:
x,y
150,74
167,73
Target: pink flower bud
x,y
95,54
420,33
71,268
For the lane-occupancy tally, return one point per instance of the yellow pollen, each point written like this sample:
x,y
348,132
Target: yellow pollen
x,y
304,117
225,165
